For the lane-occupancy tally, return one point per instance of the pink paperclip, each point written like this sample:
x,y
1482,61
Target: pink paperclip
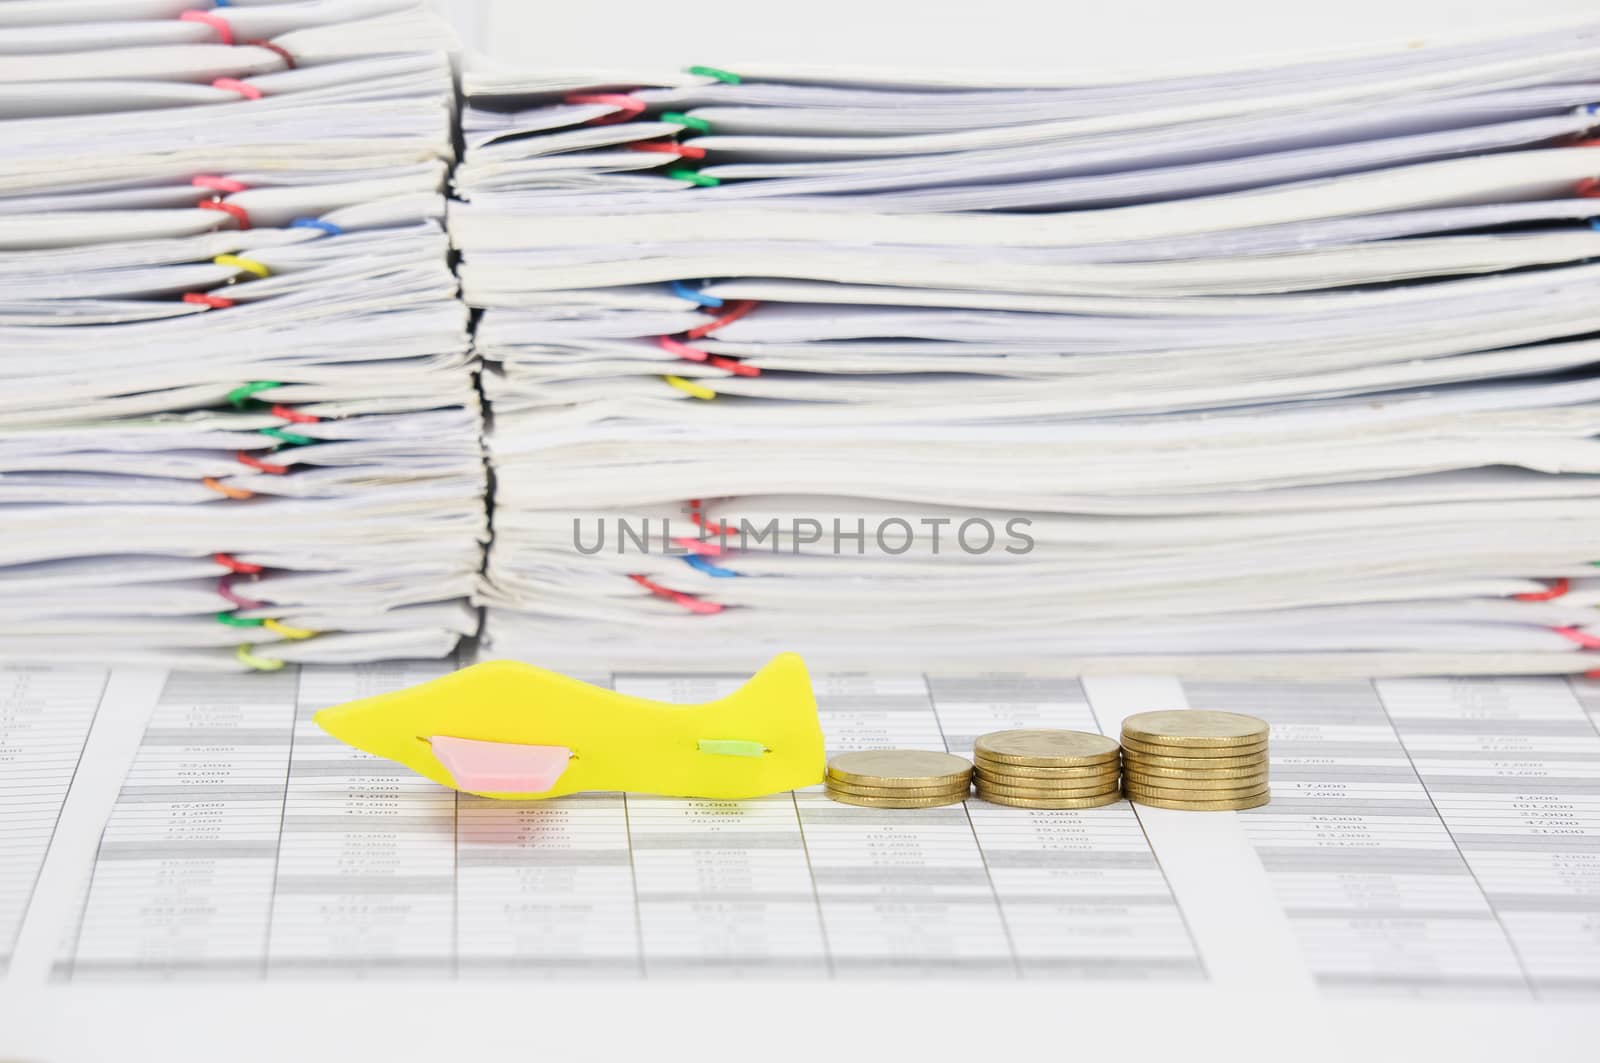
x,y
249,92
688,601
1582,638
220,184
699,546
629,107
225,588
682,350
215,21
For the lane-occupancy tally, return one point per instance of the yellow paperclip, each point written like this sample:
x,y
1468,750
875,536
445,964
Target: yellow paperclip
x,y
689,387
279,628
260,664
243,265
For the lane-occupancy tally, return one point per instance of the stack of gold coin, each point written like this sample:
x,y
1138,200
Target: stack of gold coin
x,y
1197,760
1046,769
898,778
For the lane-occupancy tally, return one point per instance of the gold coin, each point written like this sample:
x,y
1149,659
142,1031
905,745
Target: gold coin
x,y
1150,771
897,802
1192,752
894,791
1047,791
1034,788
1176,793
1054,786
1235,805
1155,760
1194,727
1050,802
900,767
1160,782
1028,771
1045,748
1166,793
1203,790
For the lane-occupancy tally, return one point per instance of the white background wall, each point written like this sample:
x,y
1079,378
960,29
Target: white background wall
x,y
1022,34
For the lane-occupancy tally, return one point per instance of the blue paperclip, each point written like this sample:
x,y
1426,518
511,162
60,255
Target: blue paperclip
x,y
683,291
317,223
696,561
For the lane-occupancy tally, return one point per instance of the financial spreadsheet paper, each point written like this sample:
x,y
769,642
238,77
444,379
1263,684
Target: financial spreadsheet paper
x,y
1426,837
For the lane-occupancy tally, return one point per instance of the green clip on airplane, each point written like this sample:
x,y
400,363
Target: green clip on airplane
x,y
504,729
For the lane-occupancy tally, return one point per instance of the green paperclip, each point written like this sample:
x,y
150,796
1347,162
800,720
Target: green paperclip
x,y
238,621
686,120
731,747
240,396
287,437
723,76
694,178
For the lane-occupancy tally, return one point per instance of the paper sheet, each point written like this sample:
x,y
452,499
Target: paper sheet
x,y
44,719
1426,838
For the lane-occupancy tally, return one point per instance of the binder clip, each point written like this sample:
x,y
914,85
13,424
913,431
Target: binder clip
x,y
504,729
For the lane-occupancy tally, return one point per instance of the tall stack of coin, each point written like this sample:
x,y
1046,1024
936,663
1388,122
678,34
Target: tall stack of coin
x,y
1197,760
1046,769
898,778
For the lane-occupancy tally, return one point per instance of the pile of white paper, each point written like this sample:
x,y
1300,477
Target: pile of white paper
x,y
239,423
1287,367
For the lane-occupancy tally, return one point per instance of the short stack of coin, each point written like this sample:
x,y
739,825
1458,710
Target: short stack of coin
x,y
898,778
1046,769
1196,760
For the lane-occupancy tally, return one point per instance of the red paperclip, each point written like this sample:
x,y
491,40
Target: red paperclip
x,y
629,108
1556,590
257,463
233,210
212,19
233,564
294,416
668,147
1588,187
732,365
699,520
283,53
688,601
215,302
249,92
728,316
687,353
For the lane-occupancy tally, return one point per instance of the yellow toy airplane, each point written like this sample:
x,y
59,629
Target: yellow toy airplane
x,y
510,730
